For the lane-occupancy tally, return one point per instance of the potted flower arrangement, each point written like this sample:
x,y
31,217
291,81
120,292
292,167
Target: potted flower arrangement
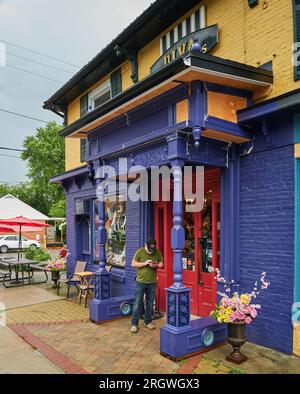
x,y
237,310
57,265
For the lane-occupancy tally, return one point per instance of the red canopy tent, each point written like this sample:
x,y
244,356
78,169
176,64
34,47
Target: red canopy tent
x,y
21,221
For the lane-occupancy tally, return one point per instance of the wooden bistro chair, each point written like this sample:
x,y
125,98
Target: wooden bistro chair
x,y
86,286
80,267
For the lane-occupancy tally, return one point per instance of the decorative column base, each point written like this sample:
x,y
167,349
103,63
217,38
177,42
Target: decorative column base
x,y
178,308
102,295
104,307
180,337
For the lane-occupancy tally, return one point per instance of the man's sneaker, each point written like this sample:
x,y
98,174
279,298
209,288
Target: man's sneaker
x,y
150,326
134,329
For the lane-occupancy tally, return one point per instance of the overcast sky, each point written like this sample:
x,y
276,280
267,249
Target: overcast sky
x,y
71,30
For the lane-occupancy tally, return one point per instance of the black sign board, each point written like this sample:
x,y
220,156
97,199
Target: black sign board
x,y
207,39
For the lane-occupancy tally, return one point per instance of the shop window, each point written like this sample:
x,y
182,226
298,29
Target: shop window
x,y
206,239
116,236
83,228
188,255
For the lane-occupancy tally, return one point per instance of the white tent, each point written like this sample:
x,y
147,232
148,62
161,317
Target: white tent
x,y
11,207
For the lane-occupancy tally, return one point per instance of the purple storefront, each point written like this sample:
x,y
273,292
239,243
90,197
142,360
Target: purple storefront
x,y
179,115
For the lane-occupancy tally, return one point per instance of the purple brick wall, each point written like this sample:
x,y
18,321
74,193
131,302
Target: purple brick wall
x,y
267,242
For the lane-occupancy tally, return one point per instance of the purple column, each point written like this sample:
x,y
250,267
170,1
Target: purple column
x,y
178,296
177,235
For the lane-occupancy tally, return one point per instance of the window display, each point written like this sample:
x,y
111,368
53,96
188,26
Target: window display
x,y
115,226
188,255
206,239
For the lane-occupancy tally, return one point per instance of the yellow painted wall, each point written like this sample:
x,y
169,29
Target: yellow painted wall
x,y
256,36
296,341
182,111
251,36
224,106
72,153
297,150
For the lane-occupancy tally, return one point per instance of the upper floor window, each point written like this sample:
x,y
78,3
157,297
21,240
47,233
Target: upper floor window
x,y
99,96
102,94
192,23
296,14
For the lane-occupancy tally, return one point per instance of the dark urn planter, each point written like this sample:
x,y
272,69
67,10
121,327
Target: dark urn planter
x,y
236,338
55,277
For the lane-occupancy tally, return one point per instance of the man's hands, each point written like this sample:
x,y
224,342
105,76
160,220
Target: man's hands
x,y
150,263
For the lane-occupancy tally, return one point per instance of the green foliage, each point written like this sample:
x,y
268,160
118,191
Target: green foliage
x,y
45,156
22,191
58,210
237,371
37,254
44,153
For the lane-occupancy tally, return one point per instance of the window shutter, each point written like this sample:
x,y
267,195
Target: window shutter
x,y
116,82
84,103
296,12
83,149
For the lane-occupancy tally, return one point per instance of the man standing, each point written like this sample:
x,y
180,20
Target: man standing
x,y
146,260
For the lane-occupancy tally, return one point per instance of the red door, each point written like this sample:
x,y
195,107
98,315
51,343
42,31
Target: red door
x,y
163,225
202,247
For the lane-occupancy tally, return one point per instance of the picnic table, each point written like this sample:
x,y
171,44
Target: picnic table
x,y
23,266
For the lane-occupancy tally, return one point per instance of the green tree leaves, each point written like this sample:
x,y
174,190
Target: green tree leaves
x,y
45,156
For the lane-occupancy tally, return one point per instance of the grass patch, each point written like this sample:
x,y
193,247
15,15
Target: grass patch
x,y
237,371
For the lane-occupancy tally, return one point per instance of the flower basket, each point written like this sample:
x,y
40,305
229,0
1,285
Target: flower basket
x,y
58,265
237,311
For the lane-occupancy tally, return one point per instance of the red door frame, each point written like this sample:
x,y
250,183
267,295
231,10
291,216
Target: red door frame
x,y
203,297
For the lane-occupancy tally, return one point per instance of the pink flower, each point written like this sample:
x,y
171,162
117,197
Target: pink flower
x,y
248,320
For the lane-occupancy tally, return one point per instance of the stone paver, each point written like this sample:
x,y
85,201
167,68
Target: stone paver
x,y
61,331
108,347
62,310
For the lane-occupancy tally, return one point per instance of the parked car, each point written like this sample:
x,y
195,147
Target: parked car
x,y
11,242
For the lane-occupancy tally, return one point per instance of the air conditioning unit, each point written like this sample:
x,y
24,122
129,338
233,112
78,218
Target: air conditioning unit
x,y
82,207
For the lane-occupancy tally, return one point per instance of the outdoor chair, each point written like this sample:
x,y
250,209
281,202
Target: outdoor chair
x,y
80,267
85,290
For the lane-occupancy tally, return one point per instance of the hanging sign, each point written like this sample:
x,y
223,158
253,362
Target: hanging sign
x,y
208,38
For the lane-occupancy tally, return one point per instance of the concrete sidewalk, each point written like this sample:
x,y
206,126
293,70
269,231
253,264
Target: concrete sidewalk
x,y
16,297
16,356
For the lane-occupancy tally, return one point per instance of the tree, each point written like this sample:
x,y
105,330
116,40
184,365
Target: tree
x,y
45,156
58,210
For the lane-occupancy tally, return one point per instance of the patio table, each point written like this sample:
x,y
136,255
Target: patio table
x,y
86,278
23,263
